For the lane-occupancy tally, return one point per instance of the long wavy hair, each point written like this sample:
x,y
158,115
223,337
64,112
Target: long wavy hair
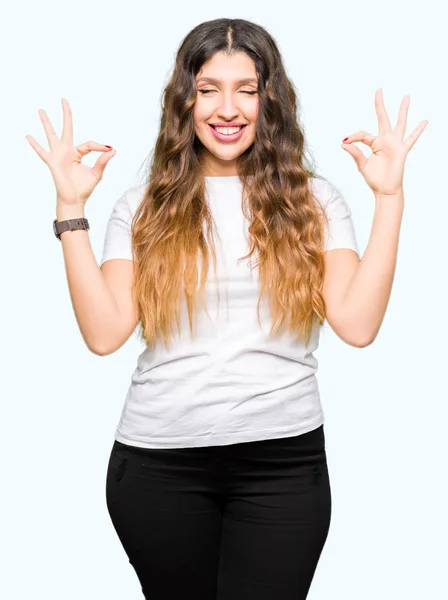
x,y
173,226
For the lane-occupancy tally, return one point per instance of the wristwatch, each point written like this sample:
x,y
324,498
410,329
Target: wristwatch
x,y
69,225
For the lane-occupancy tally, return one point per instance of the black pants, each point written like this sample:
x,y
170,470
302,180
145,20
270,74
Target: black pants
x,y
245,521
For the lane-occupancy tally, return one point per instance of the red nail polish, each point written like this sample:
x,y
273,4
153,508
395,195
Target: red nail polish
x,y
108,146
345,139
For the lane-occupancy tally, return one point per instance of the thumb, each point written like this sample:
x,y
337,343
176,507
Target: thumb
x,y
100,165
357,155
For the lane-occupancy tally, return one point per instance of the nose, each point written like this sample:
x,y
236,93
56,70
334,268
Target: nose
x,y
228,109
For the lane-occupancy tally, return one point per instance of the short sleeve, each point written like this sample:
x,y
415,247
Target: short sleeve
x,y
340,232
117,242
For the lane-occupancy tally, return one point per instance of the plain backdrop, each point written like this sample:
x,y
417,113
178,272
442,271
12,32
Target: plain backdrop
x,y
386,405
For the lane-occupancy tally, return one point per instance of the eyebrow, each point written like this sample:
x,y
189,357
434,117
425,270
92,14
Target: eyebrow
x,y
216,81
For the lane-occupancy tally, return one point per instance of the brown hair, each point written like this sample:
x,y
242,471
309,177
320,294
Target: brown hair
x,y
286,223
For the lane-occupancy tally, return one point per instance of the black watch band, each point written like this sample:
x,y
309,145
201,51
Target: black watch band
x,y
69,225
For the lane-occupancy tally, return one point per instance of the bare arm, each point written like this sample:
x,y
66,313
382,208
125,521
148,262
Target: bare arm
x,y
360,299
357,291
101,297
368,291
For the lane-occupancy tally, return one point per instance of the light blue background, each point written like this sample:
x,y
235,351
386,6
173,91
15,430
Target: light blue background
x,y
386,405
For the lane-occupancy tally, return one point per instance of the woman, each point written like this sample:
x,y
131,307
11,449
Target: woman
x,y
217,484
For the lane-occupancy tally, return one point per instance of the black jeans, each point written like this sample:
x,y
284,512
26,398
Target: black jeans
x,y
245,521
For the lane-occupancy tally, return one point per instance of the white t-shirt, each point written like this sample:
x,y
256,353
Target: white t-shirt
x,y
229,384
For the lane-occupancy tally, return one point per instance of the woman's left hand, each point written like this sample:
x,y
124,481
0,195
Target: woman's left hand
x,y
384,169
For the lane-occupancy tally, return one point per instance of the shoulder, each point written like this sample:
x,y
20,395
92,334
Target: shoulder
x,y
324,190
330,197
125,207
133,197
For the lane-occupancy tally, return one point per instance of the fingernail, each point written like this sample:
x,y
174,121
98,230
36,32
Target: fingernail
x,y
345,139
108,146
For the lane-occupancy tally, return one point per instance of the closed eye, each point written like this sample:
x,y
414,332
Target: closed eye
x,y
243,91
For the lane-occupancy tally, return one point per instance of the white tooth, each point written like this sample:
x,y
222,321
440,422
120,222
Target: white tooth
x,y
227,130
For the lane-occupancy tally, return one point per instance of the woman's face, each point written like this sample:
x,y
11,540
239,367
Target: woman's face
x,y
226,94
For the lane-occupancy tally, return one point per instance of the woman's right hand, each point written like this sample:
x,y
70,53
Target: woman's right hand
x,y
74,181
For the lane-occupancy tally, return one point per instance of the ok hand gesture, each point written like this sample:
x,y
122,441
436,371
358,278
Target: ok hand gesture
x,y
74,181
384,169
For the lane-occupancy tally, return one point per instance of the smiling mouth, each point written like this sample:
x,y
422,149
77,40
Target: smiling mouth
x,y
224,128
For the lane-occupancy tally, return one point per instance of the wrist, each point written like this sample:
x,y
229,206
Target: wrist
x,y
70,211
396,197
390,204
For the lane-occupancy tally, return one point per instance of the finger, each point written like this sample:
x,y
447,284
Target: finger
x,y
400,127
38,148
100,165
409,143
92,147
383,118
67,127
361,136
357,154
51,135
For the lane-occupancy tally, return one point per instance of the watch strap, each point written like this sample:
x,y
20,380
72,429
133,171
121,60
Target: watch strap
x,y
69,225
